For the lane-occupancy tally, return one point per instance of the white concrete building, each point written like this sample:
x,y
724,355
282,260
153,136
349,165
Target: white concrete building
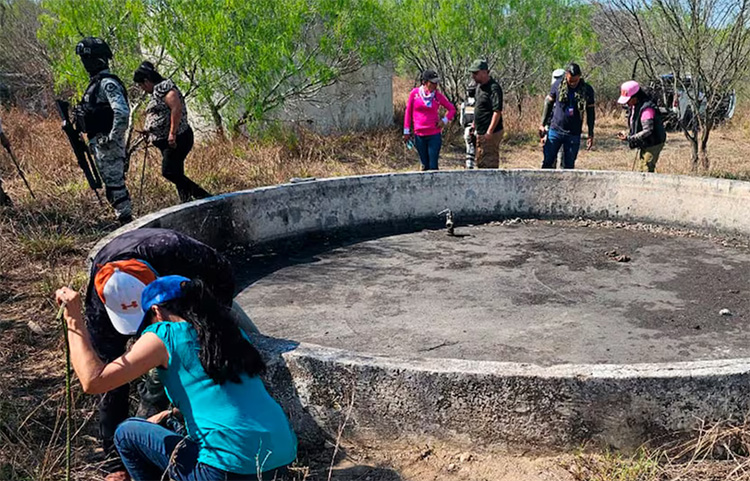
x,y
358,101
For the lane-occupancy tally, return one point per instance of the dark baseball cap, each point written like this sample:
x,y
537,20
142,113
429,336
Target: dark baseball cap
x,y
430,76
574,69
478,65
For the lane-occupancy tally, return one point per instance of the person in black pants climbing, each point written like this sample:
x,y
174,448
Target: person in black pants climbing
x,y
168,129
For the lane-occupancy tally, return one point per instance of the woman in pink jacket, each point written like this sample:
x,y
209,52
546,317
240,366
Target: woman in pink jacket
x,y
422,110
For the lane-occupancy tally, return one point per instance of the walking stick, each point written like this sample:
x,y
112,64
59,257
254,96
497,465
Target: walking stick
x,y
68,394
143,170
20,172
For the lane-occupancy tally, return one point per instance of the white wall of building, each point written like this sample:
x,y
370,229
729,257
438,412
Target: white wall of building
x,y
358,101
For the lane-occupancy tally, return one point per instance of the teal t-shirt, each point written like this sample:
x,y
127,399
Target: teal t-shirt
x,y
238,426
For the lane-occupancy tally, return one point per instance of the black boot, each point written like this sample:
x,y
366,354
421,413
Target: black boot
x,y
5,199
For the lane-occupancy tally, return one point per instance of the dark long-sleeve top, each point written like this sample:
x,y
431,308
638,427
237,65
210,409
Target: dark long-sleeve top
x,y
170,253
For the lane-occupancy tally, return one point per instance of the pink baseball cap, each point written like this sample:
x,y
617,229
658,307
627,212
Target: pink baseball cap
x,y
627,90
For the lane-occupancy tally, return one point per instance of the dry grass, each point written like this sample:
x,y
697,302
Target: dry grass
x,y
43,242
642,466
712,452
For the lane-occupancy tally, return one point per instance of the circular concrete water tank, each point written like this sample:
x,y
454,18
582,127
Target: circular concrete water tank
x,y
544,397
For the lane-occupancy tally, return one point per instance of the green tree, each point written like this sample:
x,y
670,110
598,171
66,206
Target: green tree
x,y
64,23
543,35
241,59
523,40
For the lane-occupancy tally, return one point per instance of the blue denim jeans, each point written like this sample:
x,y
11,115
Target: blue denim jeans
x,y
428,147
146,448
557,140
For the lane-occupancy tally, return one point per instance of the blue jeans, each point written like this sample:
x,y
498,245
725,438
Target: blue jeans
x,y
557,140
428,147
146,448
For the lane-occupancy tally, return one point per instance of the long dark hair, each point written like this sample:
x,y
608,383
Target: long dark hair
x,y
224,352
642,96
147,71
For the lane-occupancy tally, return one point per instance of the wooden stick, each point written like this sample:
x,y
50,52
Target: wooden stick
x,y
68,394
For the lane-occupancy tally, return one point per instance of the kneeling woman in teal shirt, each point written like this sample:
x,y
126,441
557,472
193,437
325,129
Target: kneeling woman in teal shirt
x,y
211,374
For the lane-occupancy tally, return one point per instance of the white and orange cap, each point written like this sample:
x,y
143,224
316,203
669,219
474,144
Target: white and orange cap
x,y
119,285
627,90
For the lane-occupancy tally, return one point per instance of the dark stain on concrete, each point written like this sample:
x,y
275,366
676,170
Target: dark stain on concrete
x,y
541,292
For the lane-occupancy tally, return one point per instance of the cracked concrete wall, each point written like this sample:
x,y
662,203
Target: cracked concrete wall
x,y
512,407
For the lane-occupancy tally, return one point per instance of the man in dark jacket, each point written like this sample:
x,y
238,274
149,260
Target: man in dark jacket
x,y
569,99
112,323
646,129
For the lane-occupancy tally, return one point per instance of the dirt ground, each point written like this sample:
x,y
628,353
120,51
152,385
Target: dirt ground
x,y
441,463
431,463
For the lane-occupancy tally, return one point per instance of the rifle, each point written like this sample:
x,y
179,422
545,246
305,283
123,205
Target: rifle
x,y
80,149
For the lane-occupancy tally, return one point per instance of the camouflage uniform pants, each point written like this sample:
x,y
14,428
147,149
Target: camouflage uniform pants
x,y
488,151
648,156
110,160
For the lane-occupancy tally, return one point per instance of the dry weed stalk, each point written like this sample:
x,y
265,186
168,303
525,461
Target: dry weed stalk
x,y
716,451
725,441
340,433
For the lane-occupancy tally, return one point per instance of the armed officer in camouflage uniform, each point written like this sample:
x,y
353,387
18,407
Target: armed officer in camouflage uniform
x,y
103,114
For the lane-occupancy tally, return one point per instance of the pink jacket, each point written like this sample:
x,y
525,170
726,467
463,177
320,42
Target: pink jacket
x,y
426,118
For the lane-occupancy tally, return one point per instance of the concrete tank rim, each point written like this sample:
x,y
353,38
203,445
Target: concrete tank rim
x,y
150,217
612,404
670,369
691,369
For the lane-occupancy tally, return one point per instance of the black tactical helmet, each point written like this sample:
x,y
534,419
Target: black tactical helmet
x,y
93,47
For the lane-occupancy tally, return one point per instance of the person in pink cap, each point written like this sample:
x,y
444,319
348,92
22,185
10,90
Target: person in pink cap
x,y
646,129
423,111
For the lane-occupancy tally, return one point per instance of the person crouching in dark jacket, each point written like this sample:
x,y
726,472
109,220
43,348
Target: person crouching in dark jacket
x,y
646,129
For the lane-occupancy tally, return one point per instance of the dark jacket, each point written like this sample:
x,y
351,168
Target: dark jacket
x,y
168,252
488,100
639,138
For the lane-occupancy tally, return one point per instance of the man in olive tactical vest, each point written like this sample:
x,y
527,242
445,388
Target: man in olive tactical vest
x,y
103,115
